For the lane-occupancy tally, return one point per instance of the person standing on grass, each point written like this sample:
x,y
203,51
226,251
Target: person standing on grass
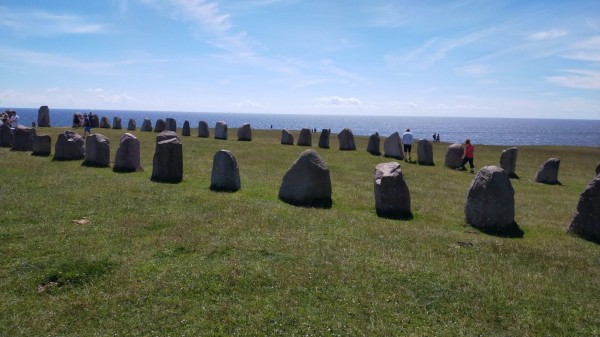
x,y
87,123
407,140
468,156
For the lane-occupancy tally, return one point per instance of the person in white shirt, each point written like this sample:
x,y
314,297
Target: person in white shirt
x,y
14,120
407,140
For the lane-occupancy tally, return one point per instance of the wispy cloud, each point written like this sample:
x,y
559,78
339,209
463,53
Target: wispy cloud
x,y
576,78
329,66
44,23
547,35
340,101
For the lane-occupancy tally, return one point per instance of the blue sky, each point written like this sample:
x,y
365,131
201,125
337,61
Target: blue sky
x,y
416,58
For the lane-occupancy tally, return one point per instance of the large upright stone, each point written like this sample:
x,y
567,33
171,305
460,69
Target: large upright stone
x,y
305,137
95,121
392,146
167,164
598,169
127,158
6,136
586,220
548,172
454,154
131,125
203,131
97,150
117,125
22,140
171,124
41,145
307,182
160,126
425,152
244,133
225,175
374,145
392,197
43,119
508,161
221,130
324,138
287,138
346,139
185,130
146,125
490,203
69,146
104,123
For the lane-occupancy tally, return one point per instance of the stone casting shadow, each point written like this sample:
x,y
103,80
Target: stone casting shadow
x,y
512,231
404,216
222,190
315,203
513,176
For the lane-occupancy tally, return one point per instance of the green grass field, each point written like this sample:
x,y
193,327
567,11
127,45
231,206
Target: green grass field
x,y
161,259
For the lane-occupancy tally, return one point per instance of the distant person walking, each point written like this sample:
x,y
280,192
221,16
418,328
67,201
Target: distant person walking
x,y
87,123
14,119
468,156
407,140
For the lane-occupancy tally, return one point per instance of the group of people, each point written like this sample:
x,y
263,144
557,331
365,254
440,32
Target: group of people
x,y
468,155
84,120
436,137
10,118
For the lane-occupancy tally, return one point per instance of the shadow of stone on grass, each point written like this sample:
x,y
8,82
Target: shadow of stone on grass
x,y
512,231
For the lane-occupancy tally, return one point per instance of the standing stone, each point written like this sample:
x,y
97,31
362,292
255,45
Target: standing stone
x,y
185,130
305,137
69,146
166,135
167,164
22,140
97,150
425,152
346,138
324,138
307,182
225,175
131,125
392,147
160,126
286,137
548,172
586,220
374,144
6,136
95,121
244,132
203,129
508,161
171,124
490,203
392,197
127,158
104,123
43,120
598,169
41,145
221,130
454,155
146,125
117,125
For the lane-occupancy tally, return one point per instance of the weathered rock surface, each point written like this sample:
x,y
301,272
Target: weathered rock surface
x,y
454,154
95,120
171,124
104,123
221,130
146,125
244,133
392,146
548,172
508,161
324,138
203,130
425,152
286,137
305,137
490,200
41,145
97,150
167,164
69,146
185,130
392,197
374,145
307,182
6,136
346,139
127,157
586,220
132,125
43,119
160,126
598,169
22,140
225,175
166,135
116,124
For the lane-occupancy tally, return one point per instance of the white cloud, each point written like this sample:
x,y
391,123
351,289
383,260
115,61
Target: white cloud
x,y
547,35
340,101
43,23
250,104
475,69
577,78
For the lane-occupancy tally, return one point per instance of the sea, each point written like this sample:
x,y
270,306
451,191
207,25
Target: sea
x,y
485,131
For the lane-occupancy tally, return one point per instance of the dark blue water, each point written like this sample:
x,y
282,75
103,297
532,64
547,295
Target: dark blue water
x,y
488,131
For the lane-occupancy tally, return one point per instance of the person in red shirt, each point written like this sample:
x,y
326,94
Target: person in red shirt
x,y
468,156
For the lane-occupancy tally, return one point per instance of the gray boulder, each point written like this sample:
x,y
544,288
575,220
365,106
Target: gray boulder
x,y
586,220
160,126
454,154
225,175
104,123
6,136
146,125
171,124
508,161
43,120
425,152
167,164
117,125
166,135
203,129
392,147
490,203
97,151
131,125
95,121
286,137
221,130
598,169
548,172
22,140
392,197
373,147
324,138
244,133
41,145
346,139
185,130
69,146
305,137
127,158
307,182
